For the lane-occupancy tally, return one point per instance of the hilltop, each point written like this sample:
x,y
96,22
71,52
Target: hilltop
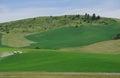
x,y
15,33
39,24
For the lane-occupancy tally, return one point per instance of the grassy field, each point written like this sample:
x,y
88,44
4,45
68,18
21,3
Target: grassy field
x,y
9,50
57,61
90,46
105,47
16,40
11,30
73,37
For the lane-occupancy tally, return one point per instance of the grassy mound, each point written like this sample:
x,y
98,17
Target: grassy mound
x,y
56,61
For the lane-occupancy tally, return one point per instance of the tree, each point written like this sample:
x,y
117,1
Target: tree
x,y
34,18
94,17
98,17
51,16
65,16
76,26
85,15
86,18
78,16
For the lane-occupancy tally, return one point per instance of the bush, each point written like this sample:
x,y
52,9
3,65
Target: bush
x,y
37,48
117,37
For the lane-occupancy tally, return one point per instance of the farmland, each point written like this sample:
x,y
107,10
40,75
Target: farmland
x,y
58,61
61,44
73,37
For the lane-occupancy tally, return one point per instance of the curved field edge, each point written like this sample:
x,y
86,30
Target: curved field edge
x,y
16,40
58,61
105,47
73,37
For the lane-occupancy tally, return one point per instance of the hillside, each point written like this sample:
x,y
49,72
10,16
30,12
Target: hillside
x,y
89,45
105,47
72,37
39,24
14,33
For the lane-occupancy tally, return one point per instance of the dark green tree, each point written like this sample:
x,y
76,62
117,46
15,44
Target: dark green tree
x,y
94,17
98,17
65,16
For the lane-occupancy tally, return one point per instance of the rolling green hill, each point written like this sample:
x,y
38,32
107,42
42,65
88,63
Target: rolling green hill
x,y
47,35
11,30
39,24
57,61
70,25
73,37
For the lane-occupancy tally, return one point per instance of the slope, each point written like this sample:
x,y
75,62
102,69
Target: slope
x,y
57,61
109,47
74,37
41,24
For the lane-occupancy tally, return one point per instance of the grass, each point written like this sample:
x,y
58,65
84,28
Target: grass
x,y
105,47
57,61
3,50
44,23
15,40
12,29
56,33
73,37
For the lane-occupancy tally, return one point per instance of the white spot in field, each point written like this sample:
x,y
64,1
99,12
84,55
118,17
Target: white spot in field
x,y
17,52
6,54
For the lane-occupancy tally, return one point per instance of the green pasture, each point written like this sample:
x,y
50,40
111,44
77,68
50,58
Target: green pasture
x,y
58,61
73,37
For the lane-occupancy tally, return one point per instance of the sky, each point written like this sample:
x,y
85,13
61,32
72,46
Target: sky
x,y
11,10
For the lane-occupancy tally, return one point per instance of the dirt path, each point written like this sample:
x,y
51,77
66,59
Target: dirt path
x,y
2,74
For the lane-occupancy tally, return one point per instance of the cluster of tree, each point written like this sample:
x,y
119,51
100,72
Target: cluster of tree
x,y
5,28
45,23
81,18
87,18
